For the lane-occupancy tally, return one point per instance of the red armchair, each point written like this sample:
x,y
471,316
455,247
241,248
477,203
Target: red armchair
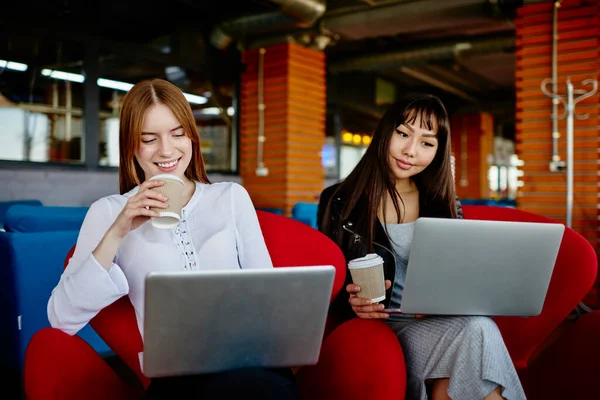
x,y
551,366
59,366
555,360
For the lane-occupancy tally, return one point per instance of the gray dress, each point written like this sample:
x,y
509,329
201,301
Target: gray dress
x,y
469,351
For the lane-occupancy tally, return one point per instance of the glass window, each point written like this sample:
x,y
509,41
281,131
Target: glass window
x,y
24,135
41,113
40,117
109,142
215,133
215,138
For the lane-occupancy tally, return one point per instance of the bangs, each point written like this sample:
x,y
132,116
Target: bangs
x,y
431,115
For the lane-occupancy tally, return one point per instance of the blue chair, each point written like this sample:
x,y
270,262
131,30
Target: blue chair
x,y
32,254
488,202
306,213
277,211
507,203
6,205
477,202
25,218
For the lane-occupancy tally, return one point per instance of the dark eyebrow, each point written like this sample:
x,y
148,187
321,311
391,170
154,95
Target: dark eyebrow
x,y
152,133
426,135
407,126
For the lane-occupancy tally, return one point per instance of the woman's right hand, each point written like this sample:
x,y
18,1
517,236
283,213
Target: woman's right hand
x,y
137,209
364,308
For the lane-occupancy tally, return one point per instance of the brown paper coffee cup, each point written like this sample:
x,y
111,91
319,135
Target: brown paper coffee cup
x,y
173,190
367,272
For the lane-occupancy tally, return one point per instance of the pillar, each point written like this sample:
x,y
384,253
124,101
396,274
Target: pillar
x,y
293,116
472,146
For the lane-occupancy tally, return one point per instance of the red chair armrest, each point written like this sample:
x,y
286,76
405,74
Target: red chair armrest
x,y
360,359
117,326
60,366
570,364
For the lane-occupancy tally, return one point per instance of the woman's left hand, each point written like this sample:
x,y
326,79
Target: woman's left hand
x,y
364,308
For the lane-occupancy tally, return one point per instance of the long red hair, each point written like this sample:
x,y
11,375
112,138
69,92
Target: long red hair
x,y
142,96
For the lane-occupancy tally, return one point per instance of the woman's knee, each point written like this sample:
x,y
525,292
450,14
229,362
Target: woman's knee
x,y
480,324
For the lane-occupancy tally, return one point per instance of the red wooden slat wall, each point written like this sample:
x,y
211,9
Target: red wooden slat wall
x,y
544,192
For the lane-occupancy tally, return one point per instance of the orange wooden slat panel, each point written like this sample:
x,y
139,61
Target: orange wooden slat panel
x,y
538,60
581,179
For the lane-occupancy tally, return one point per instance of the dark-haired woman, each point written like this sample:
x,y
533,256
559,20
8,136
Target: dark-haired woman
x,y
406,174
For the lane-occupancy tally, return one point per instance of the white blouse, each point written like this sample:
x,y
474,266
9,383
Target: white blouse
x,y
219,230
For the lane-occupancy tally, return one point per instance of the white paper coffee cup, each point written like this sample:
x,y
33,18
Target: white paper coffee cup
x,y
367,272
173,190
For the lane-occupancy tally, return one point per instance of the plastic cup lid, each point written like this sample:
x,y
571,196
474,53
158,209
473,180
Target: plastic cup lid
x,y
370,260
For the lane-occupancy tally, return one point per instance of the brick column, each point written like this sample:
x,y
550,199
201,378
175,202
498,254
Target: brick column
x,y
472,144
544,192
294,98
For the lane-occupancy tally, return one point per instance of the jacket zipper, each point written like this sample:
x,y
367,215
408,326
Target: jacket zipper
x,y
358,238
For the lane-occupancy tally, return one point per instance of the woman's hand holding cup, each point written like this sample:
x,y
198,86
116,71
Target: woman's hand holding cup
x,y
363,307
369,286
137,210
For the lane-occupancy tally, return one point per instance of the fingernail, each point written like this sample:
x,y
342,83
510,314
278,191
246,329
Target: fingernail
x,y
380,307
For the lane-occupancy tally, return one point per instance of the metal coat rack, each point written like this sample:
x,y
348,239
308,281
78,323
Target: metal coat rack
x,y
569,102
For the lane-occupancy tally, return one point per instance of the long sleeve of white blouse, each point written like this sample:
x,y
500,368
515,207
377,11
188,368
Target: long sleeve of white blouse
x,y
252,250
85,287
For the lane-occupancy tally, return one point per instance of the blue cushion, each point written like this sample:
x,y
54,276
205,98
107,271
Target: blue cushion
x,y
277,211
477,202
5,205
488,202
306,213
23,218
30,267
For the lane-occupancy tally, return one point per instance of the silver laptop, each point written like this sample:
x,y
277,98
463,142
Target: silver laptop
x,y
210,321
473,267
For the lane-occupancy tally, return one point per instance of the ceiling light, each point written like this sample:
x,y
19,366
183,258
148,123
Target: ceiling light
x,y
106,83
64,76
347,137
110,84
210,111
195,99
16,66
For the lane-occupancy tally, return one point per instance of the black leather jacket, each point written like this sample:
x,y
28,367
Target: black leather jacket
x,y
353,246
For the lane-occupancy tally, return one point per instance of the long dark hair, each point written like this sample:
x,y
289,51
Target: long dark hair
x,y
372,179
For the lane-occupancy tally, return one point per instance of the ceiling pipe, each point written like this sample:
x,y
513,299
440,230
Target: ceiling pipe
x,y
430,54
405,17
437,83
306,12
292,14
